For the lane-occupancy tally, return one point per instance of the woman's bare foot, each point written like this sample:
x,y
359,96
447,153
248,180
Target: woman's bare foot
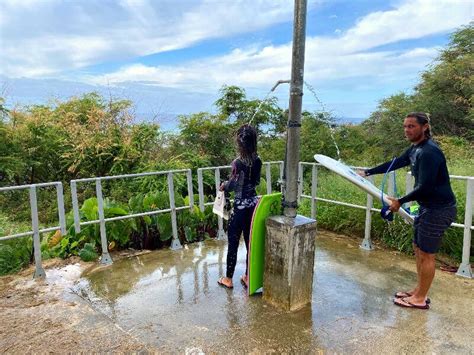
x,y
225,282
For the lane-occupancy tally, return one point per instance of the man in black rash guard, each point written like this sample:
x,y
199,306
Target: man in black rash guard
x,y
436,199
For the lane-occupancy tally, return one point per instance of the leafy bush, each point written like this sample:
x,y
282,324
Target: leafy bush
x,y
15,254
88,253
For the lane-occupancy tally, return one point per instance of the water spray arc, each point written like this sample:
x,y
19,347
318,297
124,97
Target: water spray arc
x,y
266,98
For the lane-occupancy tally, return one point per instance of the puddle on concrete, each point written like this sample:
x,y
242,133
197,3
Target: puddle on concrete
x,y
171,300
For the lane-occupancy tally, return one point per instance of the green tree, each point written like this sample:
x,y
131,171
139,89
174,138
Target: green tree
x,y
446,89
264,115
208,136
384,127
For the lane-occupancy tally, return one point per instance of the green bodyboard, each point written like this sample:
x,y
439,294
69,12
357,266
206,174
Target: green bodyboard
x,y
268,205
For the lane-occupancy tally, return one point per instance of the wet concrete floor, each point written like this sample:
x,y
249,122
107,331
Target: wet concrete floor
x,y
171,301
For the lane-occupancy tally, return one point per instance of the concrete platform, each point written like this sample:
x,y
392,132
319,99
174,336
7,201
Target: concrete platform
x,y
171,301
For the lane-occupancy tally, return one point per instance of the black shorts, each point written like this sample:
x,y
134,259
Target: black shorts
x,y
430,225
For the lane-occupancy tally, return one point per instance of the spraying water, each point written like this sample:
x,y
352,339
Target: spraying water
x,y
266,98
325,118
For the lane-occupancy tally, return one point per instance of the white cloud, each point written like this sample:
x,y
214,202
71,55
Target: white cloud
x,y
58,36
354,58
349,55
413,19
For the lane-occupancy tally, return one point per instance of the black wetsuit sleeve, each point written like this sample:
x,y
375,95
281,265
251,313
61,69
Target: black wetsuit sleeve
x,y
231,184
400,162
429,165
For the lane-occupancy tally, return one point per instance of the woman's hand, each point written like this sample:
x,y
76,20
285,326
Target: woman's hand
x,y
221,188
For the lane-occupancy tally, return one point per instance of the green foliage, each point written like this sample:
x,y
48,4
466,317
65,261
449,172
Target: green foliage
x,y
91,136
88,253
234,105
195,225
445,91
209,135
15,254
386,125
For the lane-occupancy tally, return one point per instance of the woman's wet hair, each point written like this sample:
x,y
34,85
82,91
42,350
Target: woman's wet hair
x,y
246,138
422,119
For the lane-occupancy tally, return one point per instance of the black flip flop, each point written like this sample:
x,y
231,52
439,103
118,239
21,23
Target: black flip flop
x,y
220,283
403,294
243,282
407,304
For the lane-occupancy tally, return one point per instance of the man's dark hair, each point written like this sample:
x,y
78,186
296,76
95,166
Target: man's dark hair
x,y
422,119
246,138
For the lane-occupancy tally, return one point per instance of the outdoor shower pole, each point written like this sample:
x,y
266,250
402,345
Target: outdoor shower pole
x,y
294,120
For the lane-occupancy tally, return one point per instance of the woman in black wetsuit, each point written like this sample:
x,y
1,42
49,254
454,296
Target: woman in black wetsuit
x,y
244,178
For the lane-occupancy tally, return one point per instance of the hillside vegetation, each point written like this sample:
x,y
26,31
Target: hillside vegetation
x,y
91,136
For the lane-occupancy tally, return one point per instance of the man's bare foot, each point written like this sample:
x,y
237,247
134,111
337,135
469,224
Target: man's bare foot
x,y
415,300
404,294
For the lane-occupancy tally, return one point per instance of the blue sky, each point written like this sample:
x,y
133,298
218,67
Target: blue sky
x,y
172,56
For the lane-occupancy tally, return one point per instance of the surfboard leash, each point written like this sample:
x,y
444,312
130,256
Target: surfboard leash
x,y
385,212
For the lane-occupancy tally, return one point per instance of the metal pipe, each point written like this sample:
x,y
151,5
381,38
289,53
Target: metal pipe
x,y
367,242
39,271
105,258
220,223
175,243
268,176
75,207
61,214
465,267
295,107
189,177
314,186
200,190
278,83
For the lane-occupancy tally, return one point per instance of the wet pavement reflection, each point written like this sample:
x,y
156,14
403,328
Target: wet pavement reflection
x,y
171,300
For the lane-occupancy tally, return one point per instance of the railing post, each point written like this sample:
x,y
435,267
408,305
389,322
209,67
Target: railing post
x,y
268,177
105,258
175,243
314,185
300,182
61,214
220,233
367,242
75,207
39,271
282,167
189,177
200,190
408,186
391,184
465,267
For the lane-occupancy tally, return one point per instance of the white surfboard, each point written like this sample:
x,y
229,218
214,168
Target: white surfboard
x,y
349,174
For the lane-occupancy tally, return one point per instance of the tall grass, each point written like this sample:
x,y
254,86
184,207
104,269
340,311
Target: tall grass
x,y
14,253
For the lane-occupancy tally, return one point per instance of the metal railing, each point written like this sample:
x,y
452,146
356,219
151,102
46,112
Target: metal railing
x,y
464,268
105,258
36,230
217,182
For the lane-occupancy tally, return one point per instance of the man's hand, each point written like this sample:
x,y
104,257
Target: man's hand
x,y
394,204
361,172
